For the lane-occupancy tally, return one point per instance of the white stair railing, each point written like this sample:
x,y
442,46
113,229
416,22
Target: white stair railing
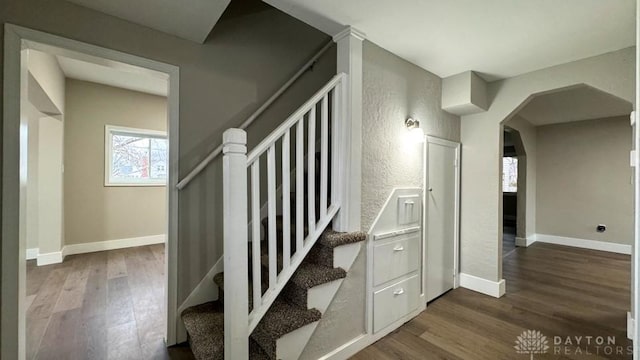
x,y
242,198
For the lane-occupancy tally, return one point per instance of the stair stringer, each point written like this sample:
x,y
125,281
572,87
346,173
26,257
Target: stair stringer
x,y
205,291
291,345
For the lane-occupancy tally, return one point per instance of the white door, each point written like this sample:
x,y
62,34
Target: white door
x,y
442,218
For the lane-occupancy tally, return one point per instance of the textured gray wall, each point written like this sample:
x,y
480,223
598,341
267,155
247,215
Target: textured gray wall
x,y
393,89
480,202
584,179
243,62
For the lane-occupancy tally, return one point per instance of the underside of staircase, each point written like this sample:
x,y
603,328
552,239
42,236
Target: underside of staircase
x,y
290,311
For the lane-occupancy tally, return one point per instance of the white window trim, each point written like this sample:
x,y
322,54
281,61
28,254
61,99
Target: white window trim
x,y
108,131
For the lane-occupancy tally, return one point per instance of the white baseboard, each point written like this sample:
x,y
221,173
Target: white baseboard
x,y
32,254
58,257
630,324
525,242
484,286
585,244
55,257
113,244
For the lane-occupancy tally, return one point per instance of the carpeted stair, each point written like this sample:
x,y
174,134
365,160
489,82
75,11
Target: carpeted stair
x,y
205,322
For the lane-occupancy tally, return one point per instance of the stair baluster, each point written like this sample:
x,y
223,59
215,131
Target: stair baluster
x,y
240,318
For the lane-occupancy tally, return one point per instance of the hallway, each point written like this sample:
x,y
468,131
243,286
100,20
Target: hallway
x,y
557,290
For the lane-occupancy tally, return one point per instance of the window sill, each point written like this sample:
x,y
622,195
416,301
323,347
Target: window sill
x,y
133,185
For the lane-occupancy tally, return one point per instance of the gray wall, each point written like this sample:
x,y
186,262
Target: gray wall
x,y
94,212
244,61
393,89
584,179
480,202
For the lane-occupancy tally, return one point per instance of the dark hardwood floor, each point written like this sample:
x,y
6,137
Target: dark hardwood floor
x,y
109,305
559,291
103,305
508,240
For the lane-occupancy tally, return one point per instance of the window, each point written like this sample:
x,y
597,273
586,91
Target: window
x,y
509,174
135,157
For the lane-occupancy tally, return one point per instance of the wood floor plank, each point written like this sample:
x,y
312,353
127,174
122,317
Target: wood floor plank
x,y
47,296
103,305
59,341
116,264
557,290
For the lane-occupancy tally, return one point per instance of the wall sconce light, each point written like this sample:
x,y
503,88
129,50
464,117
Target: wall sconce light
x,y
415,131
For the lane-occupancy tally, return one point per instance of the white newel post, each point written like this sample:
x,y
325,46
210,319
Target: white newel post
x,y
236,285
349,173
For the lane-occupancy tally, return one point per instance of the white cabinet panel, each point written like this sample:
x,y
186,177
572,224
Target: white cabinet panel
x,y
395,301
394,259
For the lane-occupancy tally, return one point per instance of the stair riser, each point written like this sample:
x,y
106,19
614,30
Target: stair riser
x,y
321,255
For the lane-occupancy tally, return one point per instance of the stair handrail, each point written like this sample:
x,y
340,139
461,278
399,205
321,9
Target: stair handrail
x,y
218,150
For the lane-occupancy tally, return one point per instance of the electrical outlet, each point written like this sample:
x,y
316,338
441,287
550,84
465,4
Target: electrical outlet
x,y
601,228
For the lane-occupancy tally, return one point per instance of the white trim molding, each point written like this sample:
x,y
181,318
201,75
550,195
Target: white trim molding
x,y
73,249
349,61
630,325
55,257
585,244
525,242
206,290
483,286
113,244
32,253
17,38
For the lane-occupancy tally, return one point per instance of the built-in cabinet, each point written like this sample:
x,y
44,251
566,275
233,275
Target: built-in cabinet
x,y
395,250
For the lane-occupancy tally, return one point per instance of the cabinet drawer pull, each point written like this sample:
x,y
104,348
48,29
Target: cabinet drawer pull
x,y
398,248
399,292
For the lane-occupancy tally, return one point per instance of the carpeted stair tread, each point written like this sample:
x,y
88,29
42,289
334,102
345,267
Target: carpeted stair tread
x,y
205,326
309,275
334,239
281,319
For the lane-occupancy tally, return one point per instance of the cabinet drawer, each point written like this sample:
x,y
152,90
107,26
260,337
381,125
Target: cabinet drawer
x,y
396,258
395,301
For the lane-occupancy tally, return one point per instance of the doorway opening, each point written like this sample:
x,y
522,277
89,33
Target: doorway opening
x,y
514,168
97,162
574,194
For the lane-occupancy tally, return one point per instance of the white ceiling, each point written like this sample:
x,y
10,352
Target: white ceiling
x,y
115,74
582,103
188,19
496,38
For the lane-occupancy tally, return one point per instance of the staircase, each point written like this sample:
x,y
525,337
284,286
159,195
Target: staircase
x,y
277,288
293,310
